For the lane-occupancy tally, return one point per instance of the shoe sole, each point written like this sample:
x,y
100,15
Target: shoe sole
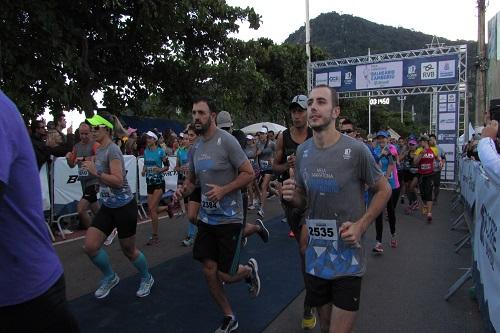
x,y
109,290
149,291
264,230
256,270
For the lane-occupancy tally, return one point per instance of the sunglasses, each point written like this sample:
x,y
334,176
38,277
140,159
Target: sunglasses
x,y
347,131
96,128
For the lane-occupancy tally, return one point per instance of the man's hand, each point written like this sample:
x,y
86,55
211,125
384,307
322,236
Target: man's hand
x,y
289,187
90,166
216,193
351,233
291,161
179,193
491,130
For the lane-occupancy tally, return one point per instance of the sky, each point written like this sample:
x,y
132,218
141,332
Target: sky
x,y
452,19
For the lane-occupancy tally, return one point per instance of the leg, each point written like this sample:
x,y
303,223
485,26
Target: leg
x,y
263,189
325,315
342,321
215,286
94,207
83,215
379,227
153,201
93,248
391,209
437,184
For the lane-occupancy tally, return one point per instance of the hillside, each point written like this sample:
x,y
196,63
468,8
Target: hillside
x,y
347,36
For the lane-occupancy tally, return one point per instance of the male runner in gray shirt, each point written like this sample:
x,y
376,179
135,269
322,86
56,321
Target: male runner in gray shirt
x,y
219,165
331,172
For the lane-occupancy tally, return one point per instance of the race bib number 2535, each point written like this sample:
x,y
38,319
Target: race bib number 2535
x,y
322,229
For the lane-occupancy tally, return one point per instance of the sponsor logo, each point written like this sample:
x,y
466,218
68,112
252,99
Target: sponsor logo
x,y
428,71
446,69
72,179
348,78
334,79
412,72
347,154
321,78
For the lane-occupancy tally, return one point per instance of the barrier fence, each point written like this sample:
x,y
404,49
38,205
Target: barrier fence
x,y
61,188
481,200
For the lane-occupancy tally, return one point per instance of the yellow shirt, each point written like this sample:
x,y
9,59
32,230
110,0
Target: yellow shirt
x,y
433,148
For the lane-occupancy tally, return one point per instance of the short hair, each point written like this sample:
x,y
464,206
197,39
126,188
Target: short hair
x,y
58,117
432,136
210,102
85,123
347,121
35,124
333,92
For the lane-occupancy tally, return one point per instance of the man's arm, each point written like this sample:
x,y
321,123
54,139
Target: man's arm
x,y
292,193
245,177
280,151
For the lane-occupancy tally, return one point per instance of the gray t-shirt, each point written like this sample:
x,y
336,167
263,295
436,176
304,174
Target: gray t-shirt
x,y
266,154
333,179
216,161
112,197
81,152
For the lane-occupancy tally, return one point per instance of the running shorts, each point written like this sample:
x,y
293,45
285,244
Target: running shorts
x,y
343,292
90,193
152,188
426,187
220,243
124,219
294,217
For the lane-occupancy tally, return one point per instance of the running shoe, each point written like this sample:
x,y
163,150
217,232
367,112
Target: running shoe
x,y
291,234
260,212
251,207
106,285
145,286
254,287
111,237
263,232
188,242
309,321
429,218
229,324
244,241
153,240
402,199
379,248
394,241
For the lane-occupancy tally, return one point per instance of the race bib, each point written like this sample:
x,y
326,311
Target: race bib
x,y
425,166
209,206
150,170
265,164
322,229
82,172
104,191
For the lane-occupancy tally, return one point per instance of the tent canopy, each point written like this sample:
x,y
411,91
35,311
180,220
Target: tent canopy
x,y
254,128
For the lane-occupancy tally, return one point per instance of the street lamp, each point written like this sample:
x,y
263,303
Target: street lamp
x,y
402,100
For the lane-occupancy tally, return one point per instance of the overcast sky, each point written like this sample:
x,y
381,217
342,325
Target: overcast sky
x,y
453,19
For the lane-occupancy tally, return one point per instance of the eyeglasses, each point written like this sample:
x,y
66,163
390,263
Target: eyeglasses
x,y
347,131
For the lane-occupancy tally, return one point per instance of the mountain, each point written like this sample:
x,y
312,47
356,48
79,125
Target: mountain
x,y
348,36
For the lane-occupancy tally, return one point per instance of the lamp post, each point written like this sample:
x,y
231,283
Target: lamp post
x,y
402,100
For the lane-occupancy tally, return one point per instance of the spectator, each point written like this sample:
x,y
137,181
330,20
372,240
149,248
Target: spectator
x,y
42,149
488,151
131,144
60,125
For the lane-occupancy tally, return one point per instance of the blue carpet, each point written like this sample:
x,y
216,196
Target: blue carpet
x,y
180,301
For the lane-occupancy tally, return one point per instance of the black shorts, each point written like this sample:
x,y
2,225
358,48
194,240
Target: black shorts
x,y
294,216
124,219
343,292
152,188
196,195
426,187
48,312
220,243
90,193
408,176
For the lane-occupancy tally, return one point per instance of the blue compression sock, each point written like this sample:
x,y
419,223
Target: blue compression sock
x,y
142,265
101,260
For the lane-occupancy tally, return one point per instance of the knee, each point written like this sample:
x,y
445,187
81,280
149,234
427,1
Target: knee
x,y
129,252
210,269
91,248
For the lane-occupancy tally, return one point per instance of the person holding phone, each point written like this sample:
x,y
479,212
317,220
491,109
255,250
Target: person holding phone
x,y
488,151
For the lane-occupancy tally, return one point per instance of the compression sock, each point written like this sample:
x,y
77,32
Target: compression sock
x,y
101,260
142,265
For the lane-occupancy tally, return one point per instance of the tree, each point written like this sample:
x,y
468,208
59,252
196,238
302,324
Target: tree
x,y
57,55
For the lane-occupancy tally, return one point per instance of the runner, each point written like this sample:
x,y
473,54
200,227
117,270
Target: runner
x,y
331,172
181,156
253,188
438,166
155,164
85,149
286,147
386,156
266,149
424,158
410,175
119,209
32,286
220,166
193,201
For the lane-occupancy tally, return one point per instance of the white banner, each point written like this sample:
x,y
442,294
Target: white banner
x,y
487,244
387,74
44,182
170,176
131,169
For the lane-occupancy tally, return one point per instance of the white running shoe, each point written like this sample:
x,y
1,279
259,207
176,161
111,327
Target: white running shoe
x,y
111,237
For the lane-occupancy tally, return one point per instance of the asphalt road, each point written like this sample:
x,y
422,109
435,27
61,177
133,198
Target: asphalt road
x,y
403,290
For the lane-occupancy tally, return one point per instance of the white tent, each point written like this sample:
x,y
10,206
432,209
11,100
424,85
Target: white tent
x,y
254,128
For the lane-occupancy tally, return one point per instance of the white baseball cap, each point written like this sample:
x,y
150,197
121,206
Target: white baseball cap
x,y
152,135
263,130
249,137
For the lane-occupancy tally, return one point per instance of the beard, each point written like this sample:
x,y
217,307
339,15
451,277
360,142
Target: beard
x,y
204,127
322,127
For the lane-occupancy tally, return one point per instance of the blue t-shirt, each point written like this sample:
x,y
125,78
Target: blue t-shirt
x,y
385,161
154,159
28,263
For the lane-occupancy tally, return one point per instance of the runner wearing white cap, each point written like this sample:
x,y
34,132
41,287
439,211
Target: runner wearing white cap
x,y
265,153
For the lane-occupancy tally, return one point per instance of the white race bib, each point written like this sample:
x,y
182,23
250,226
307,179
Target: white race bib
x,y
104,191
82,172
322,229
209,206
265,164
